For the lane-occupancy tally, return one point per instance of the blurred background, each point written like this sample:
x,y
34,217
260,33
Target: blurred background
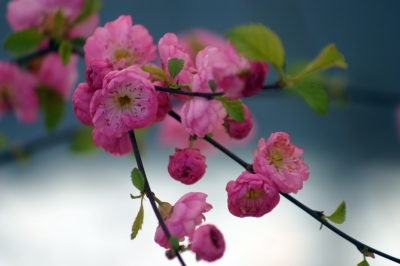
x,y
60,208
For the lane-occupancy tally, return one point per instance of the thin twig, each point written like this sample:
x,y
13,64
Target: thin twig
x,y
189,93
360,246
149,194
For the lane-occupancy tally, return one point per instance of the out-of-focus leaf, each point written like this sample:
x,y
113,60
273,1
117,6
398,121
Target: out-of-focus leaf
x,y
65,51
82,141
157,72
52,105
23,41
89,8
314,95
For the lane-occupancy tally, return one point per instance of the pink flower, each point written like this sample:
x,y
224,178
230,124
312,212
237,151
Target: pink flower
x,y
22,14
116,146
168,48
280,161
58,77
127,101
121,44
197,39
251,195
96,70
207,242
187,214
200,116
164,106
255,78
187,166
240,130
17,93
81,103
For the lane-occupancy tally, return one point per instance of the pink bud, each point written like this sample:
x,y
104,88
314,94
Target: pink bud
x,y
255,79
164,105
187,166
81,102
207,242
251,195
96,71
240,130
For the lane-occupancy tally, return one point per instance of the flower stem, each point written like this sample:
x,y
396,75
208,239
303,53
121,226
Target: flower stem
x,y
149,194
188,93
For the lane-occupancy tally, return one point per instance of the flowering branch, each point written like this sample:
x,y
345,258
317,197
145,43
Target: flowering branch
x,y
149,194
276,86
198,94
315,214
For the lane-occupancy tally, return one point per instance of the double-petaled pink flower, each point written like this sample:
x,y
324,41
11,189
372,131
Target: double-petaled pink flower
x,y
207,242
279,160
121,44
251,195
186,215
187,166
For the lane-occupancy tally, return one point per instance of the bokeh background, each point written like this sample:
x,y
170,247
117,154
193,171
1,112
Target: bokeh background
x,y
60,208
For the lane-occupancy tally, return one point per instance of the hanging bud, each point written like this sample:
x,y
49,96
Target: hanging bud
x,y
207,242
239,130
187,166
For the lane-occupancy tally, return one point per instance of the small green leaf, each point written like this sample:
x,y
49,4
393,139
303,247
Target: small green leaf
x,y
339,215
89,8
137,224
174,242
212,85
314,95
137,179
65,51
59,24
3,140
363,263
157,72
78,42
234,108
52,105
328,57
258,43
82,141
24,41
175,66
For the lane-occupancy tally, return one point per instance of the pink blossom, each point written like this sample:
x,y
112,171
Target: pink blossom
x,y
187,214
251,195
240,130
127,101
164,105
255,78
168,48
22,14
279,160
55,75
116,146
96,70
17,93
207,242
197,39
187,166
121,44
81,102
200,116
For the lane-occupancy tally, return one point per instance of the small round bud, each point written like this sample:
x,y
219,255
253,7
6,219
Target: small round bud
x,y
187,166
240,130
255,79
96,71
207,242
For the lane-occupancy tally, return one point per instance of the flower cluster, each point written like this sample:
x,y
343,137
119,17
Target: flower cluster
x,y
277,167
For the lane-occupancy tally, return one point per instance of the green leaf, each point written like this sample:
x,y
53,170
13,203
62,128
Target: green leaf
x,y
157,72
52,105
212,85
363,263
234,108
175,66
339,215
3,140
137,224
78,42
59,24
89,8
258,43
328,57
174,242
137,179
65,51
24,41
82,141
314,95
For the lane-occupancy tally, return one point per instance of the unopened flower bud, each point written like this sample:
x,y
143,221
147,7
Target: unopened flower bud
x,y
96,71
255,79
187,166
240,130
207,242
165,210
